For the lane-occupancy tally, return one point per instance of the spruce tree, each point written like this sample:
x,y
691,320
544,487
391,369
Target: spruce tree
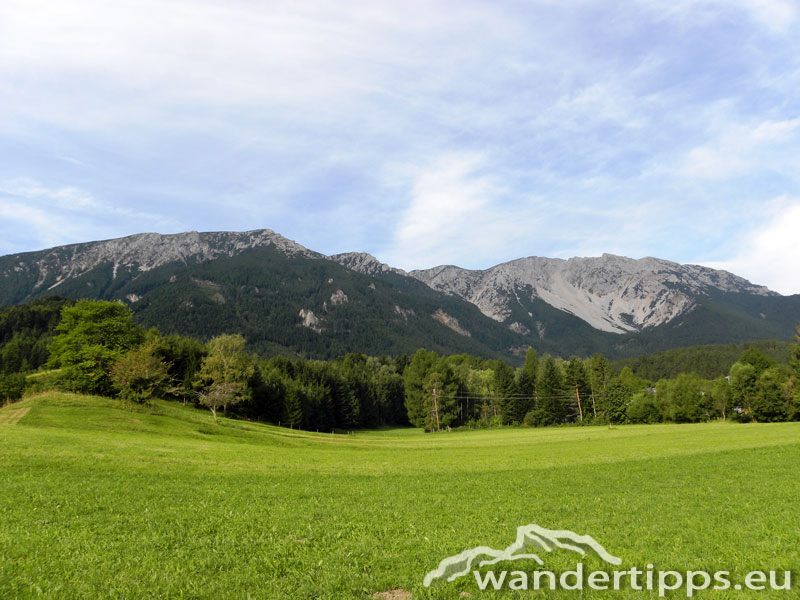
x,y
526,378
551,393
505,389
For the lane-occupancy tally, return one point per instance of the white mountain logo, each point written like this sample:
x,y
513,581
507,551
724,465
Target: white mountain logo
x,y
532,536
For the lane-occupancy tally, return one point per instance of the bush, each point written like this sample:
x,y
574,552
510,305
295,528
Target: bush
x,y
46,381
139,375
539,418
11,387
643,408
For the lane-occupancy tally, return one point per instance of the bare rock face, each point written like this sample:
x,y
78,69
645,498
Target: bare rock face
x,y
405,313
361,262
311,320
339,297
146,251
451,322
518,327
611,293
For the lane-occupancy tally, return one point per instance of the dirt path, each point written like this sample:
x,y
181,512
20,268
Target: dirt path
x,y
11,417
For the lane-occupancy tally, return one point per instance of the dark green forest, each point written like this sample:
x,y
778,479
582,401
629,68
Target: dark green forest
x,y
96,347
263,294
710,361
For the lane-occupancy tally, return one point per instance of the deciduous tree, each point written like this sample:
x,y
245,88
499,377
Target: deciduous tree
x,y
224,373
92,336
139,374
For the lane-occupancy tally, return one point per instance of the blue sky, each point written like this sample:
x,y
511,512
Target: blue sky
x,y
425,133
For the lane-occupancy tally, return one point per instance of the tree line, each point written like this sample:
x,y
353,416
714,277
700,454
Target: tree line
x,y
95,347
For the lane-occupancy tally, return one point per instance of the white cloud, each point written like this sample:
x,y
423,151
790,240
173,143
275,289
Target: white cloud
x,y
740,149
770,253
455,213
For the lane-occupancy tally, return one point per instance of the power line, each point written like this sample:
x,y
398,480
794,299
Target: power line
x,y
555,397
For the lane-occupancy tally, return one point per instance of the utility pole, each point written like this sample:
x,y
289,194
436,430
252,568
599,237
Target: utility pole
x,y
578,396
435,410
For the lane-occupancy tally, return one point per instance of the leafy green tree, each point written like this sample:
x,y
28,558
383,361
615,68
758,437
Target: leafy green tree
x,y
480,386
688,401
744,379
633,382
644,408
759,389
614,401
139,374
769,403
183,357
224,373
442,409
721,395
759,359
92,336
346,401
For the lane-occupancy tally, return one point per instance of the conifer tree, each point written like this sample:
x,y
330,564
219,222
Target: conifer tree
x,y
526,378
505,389
551,393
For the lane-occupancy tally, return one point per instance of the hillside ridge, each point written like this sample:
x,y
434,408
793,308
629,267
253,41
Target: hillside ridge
x,y
612,293
199,282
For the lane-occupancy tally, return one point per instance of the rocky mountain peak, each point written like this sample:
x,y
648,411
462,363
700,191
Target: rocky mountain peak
x,y
611,293
365,263
142,252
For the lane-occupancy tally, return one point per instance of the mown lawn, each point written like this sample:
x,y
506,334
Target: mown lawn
x,y
97,501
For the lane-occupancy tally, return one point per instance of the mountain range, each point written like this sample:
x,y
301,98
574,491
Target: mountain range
x,y
286,298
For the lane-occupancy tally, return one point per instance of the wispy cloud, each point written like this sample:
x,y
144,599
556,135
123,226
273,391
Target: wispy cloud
x,y
452,200
36,216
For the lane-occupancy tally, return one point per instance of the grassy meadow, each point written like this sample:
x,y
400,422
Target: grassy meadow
x,y
102,501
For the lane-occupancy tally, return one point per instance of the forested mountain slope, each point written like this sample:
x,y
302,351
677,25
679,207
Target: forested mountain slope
x,y
286,298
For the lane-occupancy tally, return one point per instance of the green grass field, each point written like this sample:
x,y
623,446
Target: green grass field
x,y
97,501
